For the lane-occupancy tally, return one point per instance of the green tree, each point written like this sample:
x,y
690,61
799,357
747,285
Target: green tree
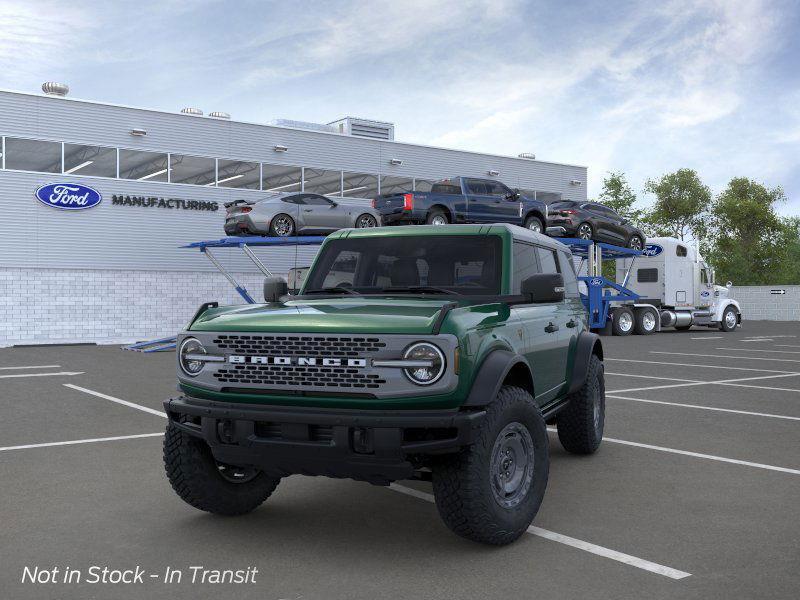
x,y
681,205
750,243
618,195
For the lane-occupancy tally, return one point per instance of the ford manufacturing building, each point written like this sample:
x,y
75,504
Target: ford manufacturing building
x,y
115,272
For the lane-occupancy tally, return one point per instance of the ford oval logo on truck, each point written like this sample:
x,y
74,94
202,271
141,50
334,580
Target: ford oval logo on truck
x,y
68,196
652,250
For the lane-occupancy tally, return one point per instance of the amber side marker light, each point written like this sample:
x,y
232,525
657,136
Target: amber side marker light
x,y
456,361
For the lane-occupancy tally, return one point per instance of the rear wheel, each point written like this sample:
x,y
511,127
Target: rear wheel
x,y
209,485
584,231
437,217
622,323
281,226
366,220
729,319
491,491
534,224
645,322
580,424
635,243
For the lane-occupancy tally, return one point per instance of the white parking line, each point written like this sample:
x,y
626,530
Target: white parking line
x,y
717,382
708,337
31,367
152,411
87,441
674,364
653,377
757,340
758,350
714,408
725,356
627,559
786,346
65,373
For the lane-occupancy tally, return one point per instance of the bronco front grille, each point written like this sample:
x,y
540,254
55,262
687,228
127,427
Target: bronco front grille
x,y
296,376
306,345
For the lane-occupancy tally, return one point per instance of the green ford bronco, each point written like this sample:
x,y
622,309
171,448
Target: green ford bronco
x,y
423,352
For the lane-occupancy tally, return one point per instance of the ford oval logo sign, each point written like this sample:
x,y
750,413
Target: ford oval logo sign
x,y
68,196
652,250
595,281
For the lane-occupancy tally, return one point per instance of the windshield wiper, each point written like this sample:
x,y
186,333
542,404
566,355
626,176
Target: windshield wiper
x,y
333,290
420,289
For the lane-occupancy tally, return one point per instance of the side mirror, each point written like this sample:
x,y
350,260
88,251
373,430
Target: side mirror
x,y
544,288
274,288
729,285
334,204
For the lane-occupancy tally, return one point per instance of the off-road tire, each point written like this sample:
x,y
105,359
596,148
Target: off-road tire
x,y
195,477
619,322
272,230
533,220
462,483
434,213
640,326
723,325
580,424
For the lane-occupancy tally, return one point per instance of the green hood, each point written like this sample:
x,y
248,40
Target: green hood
x,y
329,315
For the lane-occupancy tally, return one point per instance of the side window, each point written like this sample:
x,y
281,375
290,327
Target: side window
x,y
526,263
547,260
293,200
495,188
316,200
681,250
704,276
570,279
343,270
476,186
647,275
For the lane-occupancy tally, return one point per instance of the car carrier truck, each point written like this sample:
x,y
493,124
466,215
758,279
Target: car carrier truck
x,y
675,288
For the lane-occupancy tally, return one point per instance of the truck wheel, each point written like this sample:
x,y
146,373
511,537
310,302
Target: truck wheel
x,y
580,424
534,224
281,226
437,217
491,491
645,323
729,319
622,323
208,485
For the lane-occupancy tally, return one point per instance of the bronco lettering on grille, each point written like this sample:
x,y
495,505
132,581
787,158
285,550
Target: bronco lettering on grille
x,y
301,361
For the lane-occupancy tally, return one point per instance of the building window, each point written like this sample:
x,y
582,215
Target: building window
x,y
33,155
237,174
359,185
280,178
96,161
396,185
143,166
320,181
194,170
423,185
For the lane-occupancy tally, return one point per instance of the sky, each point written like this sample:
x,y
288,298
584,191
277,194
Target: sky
x,y
639,87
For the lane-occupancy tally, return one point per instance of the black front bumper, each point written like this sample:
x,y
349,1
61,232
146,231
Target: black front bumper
x,y
369,445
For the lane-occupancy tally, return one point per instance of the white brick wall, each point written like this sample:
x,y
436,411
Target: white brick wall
x,y
758,303
48,306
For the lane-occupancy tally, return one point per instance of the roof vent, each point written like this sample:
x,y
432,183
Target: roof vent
x,y
219,115
527,155
192,111
376,130
51,88
303,125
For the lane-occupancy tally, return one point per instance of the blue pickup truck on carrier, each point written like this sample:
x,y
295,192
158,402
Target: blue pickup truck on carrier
x,y
463,200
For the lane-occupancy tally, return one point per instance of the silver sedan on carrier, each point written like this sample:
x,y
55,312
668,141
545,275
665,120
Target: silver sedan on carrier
x,y
293,213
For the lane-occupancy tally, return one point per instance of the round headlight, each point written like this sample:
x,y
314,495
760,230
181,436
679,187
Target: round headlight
x,y
190,348
424,352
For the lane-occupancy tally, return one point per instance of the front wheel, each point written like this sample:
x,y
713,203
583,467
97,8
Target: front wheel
x,y
729,320
366,220
209,485
490,491
534,224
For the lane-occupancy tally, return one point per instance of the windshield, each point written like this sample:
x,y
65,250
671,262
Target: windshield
x,y
430,264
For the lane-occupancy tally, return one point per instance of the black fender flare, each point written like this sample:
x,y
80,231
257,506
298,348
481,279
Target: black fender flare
x,y
588,344
490,377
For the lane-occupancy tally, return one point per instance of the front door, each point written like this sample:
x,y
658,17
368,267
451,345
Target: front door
x,y
503,206
319,213
478,201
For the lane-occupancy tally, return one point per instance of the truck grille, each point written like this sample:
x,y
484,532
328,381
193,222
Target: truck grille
x,y
295,376
322,346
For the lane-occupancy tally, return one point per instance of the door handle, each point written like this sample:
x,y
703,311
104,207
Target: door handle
x,y
551,328
307,210
571,323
